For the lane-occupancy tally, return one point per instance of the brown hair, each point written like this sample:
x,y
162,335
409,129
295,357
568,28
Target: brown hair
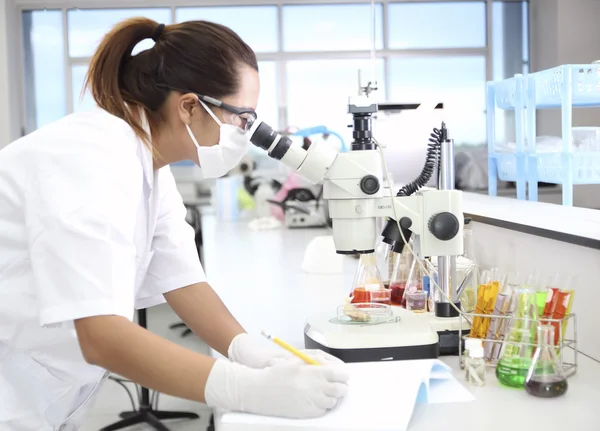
x,y
195,56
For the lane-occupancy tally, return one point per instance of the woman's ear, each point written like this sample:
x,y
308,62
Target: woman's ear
x,y
188,107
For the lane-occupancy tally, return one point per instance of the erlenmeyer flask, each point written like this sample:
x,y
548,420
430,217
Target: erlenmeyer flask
x,y
367,285
517,348
415,279
385,257
400,273
545,377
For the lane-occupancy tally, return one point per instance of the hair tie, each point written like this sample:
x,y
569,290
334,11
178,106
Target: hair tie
x,y
158,32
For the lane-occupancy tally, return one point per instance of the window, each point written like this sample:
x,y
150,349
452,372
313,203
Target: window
x,y
80,102
309,61
44,67
318,92
510,53
331,27
87,27
268,103
257,25
437,25
458,82
510,29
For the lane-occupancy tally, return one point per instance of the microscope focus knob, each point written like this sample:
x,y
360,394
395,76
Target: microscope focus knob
x,y
369,184
444,226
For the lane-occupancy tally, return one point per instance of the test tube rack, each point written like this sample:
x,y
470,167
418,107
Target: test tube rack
x,y
567,340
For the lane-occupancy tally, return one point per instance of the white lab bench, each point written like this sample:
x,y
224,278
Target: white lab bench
x,y
259,277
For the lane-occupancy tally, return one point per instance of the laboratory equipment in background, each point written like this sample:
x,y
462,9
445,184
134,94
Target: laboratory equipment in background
x,y
301,208
545,377
357,196
262,198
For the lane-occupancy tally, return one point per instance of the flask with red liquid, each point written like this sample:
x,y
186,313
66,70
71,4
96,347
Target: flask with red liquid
x,y
367,285
401,264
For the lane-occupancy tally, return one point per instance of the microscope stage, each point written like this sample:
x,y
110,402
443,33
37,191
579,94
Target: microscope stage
x,y
411,336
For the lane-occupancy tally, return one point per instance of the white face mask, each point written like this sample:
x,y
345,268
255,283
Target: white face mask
x,y
217,160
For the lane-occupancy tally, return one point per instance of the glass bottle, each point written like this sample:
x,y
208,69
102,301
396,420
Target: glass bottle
x,y
545,378
367,285
517,348
475,366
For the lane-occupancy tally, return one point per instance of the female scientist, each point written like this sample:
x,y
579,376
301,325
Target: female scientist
x,y
92,226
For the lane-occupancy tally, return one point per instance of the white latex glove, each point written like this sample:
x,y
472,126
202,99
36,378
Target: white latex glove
x,y
244,350
289,390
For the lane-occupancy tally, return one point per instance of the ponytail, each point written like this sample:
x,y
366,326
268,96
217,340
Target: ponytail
x,y
108,78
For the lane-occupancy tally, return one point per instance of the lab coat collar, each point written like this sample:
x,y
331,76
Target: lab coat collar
x,y
146,154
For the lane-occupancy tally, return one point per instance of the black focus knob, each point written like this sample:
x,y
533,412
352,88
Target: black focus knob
x,y
369,184
444,226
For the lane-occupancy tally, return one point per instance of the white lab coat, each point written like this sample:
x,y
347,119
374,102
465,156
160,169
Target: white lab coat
x,y
87,228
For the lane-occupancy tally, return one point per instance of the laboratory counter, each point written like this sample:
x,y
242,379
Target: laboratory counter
x,y
259,277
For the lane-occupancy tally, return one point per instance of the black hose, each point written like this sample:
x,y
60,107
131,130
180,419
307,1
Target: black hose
x,y
431,162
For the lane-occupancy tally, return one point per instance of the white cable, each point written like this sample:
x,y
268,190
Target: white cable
x,y
415,257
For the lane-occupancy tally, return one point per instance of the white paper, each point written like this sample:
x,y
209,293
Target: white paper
x,y
381,397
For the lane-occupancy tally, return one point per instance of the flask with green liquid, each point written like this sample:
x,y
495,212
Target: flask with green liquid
x,y
518,347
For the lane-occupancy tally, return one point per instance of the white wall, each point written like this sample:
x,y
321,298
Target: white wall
x,y
10,100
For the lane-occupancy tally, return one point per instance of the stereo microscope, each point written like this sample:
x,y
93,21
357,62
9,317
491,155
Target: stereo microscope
x,y
354,188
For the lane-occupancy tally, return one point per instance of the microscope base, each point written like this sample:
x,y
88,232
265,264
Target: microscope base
x,y
413,336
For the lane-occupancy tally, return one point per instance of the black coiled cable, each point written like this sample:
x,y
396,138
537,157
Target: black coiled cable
x,y
431,162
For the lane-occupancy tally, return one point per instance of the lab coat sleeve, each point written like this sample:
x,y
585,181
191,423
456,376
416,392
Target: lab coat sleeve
x,y
175,262
80,219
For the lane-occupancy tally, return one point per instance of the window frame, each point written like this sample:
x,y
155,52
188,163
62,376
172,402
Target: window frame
x,y
280,57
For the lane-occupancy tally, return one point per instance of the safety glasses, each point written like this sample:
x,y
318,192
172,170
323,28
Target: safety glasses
x,y
242,118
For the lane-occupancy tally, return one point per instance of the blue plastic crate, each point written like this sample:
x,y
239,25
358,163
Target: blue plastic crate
x,y
506,93
568,85
577,167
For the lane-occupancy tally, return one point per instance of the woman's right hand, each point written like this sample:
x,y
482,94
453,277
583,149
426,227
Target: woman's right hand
x,y
287,390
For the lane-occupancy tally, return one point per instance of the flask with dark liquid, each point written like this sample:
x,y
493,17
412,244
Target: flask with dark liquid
x,y
546,378
401,267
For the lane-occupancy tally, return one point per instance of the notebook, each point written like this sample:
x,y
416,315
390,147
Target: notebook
x,y
381,397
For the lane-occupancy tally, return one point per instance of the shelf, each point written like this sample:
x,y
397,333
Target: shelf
x,y
568,86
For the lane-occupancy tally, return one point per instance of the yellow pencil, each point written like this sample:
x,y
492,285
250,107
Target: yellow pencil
x,y
290,349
